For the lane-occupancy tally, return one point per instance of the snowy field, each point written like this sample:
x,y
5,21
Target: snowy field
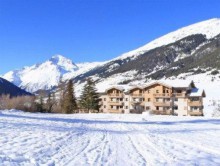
x,y
107,139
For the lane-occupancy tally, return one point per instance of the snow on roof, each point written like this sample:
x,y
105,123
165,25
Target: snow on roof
x,y
195,92
104,89
134,87
126,88
177,83
157,82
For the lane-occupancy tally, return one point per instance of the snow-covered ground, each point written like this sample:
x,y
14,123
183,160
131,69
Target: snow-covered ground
x,y
107,139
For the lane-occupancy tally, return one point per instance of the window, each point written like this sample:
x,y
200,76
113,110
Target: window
x,y
164,91
176,107
126,107
166,100
157,108
166,108
179,91
104,106
111,107
104,99
126,99
157,99
195,99
157,91
143,99
147,108
121,99
167,91
176,99
148,99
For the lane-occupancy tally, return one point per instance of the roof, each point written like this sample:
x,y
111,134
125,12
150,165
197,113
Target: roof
x,y
178,83
134,87
157,82
166,82
104,89
195,92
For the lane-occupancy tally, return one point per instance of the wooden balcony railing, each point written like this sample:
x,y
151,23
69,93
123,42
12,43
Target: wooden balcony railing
x,y
196,113
115,94
137,95
162,95
179,94
162,103
195,103
118,111
161,112
116,103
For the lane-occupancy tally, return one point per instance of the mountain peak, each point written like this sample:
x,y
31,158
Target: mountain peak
x,y
63,62
58,57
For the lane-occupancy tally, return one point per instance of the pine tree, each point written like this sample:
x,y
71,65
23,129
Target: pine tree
x,y
40,105
50,103
62,91
69,105
89,98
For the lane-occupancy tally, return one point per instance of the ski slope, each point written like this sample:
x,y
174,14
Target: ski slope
x,y
107,139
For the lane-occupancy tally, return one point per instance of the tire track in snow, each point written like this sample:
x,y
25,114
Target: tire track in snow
x,y
143,138
145,157
195,146
65,153
95,153
144,154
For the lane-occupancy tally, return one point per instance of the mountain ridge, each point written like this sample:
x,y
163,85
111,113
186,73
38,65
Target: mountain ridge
x,y
151,61
7,88
48,74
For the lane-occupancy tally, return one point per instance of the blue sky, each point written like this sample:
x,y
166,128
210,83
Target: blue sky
x,y
32,31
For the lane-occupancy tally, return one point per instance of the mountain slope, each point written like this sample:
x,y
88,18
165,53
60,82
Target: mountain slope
x,y
177,52
8,88
160,54
210,28
48,74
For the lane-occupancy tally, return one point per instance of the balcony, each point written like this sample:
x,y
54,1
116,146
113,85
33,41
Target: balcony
x,y
165,104
115,95
162,95
179,94
137,95
116,111
195,103
196,113
161,112
117,103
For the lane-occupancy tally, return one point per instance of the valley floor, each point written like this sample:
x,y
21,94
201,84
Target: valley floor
x,y
107,139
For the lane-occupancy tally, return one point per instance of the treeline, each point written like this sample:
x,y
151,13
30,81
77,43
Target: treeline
x,y
61,101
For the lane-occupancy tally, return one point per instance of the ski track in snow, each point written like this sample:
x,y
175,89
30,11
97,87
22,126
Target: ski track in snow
x,y
106,140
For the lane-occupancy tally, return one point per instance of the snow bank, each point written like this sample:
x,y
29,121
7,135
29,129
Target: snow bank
x,y
107,139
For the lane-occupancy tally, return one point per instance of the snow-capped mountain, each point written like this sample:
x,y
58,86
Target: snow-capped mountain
x,y
210,28
48,74
180,51
193,49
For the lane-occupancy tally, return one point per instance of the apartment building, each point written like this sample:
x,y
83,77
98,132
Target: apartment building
x,y
161,98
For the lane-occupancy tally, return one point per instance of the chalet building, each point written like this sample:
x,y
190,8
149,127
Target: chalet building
x,y
157,98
